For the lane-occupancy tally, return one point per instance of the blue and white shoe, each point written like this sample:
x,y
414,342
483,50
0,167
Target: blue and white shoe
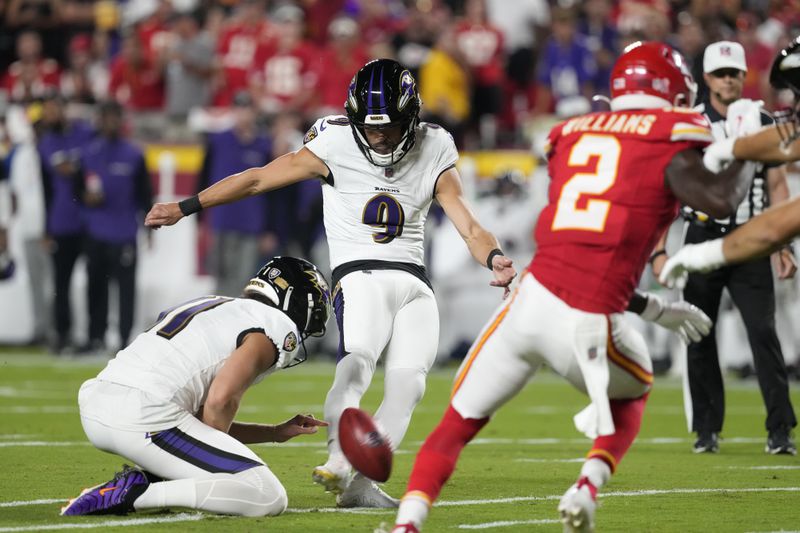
x,y
113,497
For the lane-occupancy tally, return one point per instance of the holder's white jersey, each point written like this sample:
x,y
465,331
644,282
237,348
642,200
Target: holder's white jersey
x,y
177,359
373,212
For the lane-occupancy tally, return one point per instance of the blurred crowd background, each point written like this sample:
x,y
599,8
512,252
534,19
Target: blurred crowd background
x,y
201,89
486,68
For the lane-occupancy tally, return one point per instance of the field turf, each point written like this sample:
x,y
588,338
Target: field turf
x,y
508,480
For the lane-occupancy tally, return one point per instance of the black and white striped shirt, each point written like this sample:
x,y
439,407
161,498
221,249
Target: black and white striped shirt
x,y
757,198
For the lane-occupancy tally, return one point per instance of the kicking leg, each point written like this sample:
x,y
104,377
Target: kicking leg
x,y
364,316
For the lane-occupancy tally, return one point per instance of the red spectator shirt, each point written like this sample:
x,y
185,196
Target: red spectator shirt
x,y
334,75
286,75
236,51
155,36
23,82
482,46
138,87
608,202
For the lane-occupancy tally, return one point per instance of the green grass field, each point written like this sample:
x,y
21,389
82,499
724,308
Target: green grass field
x,y
508,480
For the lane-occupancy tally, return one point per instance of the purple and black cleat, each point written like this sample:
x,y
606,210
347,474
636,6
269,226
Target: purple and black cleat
x,y
113,497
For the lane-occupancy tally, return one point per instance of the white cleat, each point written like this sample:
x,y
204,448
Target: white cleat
x,y
363,492
577,509
329,479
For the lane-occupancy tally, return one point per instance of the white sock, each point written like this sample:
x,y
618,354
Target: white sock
x,y
249,493
178,493
403,389
352,378
597,471
414,510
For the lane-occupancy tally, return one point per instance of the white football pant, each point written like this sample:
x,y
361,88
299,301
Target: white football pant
x,y
209,469
389,313
534,327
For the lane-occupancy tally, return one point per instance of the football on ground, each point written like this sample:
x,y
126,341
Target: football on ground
x,y
364,445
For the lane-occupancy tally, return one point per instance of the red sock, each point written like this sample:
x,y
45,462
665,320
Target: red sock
x,y
627,420
437,458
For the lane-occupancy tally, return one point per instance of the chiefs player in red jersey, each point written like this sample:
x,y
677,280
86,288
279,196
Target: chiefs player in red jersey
x,y
617,180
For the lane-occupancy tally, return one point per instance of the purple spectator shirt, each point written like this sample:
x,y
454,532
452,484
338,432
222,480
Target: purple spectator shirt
x,y
226,154
566,69
64,208
121,168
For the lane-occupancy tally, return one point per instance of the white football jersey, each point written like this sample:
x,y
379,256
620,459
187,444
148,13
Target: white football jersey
x,y
373,212
177,359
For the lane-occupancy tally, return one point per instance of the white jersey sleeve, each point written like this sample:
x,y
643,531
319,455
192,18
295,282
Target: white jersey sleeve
x,y
177,359
372,212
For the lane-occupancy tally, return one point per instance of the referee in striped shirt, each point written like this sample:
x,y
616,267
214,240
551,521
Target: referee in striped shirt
x,y
749,284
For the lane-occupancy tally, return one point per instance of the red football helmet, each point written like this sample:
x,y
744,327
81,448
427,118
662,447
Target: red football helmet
x,y
651,74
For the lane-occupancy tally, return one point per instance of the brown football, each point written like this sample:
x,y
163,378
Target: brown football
x,y
364,445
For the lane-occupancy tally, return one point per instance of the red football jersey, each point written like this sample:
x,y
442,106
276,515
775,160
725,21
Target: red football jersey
x,y
608,201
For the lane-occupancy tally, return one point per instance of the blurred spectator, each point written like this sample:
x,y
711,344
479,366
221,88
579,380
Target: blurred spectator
x,y
25,182
567,66
481,45
236,228
340,60
31,75
295,212
319,15
60,145
284,75
524,25
189,66
237,47
154,31
690,42
444,86
601,38
43,17
414,42
86,80
759,60
379,20
7,265
117,190
136,78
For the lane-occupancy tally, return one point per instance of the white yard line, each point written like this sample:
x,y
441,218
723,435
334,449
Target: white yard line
x,y
764,467
37,409
27,443
182,517
23,503
534,460
506,523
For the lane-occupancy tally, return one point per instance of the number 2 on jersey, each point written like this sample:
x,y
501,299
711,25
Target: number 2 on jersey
x,y
592,217
383,211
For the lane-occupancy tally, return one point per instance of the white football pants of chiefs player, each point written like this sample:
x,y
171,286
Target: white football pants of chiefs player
x,y
534,327
388,313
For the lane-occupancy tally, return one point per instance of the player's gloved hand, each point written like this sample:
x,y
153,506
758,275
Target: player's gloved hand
x,y
688,321
719,154
297,425
744,117
702,257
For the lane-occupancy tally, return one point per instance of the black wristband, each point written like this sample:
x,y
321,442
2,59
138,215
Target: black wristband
x,y
656,254
190,206
496,251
